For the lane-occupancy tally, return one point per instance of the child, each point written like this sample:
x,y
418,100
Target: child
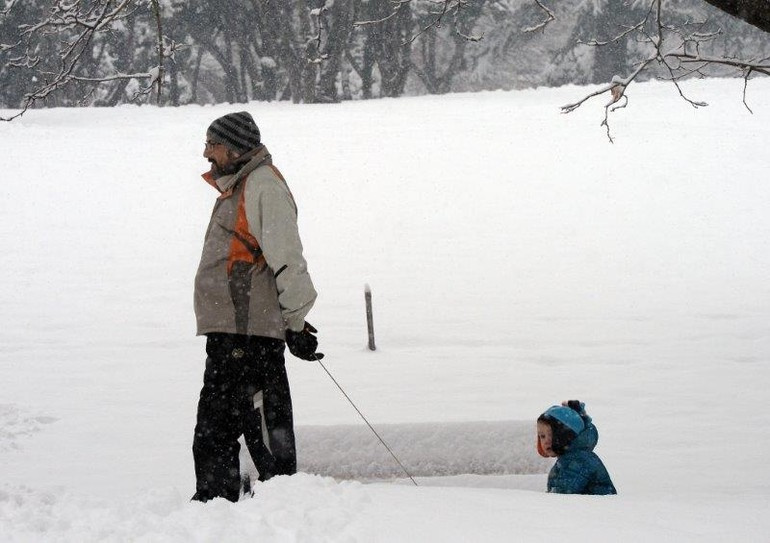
x,y
567,433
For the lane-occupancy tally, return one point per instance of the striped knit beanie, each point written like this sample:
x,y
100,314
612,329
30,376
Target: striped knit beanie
x,y
238,131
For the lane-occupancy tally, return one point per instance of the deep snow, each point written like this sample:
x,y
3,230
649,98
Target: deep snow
x,y
516,259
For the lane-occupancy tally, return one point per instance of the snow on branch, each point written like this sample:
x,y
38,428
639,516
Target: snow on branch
x,y
8,7
549,16
441,10
673,48
397,5
71,26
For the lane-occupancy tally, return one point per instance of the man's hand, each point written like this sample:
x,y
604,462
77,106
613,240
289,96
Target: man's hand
x,y
304,344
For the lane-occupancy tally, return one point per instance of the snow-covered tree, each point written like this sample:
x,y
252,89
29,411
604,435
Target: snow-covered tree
x,y
105,52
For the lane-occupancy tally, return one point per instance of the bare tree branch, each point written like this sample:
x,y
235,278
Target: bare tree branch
x,y
397,5
549,16
761,66
74,24
443,9
745,86
676,50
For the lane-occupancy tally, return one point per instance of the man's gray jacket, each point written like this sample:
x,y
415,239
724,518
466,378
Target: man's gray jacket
x,y
252,278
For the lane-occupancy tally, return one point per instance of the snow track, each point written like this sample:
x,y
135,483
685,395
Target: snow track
x,y
17,424
425,449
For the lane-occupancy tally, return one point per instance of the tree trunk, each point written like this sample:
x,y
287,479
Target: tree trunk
x,y
231,71
196,75
394,53
307,51
338,23
754,12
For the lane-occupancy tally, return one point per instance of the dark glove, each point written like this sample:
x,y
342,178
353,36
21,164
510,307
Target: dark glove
x,y
304,344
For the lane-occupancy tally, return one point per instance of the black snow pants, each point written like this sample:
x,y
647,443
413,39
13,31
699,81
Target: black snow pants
x,y
245,391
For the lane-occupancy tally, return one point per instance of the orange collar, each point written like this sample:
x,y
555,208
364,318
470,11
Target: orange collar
x,y
208,177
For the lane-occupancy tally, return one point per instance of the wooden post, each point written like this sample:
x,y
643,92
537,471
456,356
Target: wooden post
x,y
369,321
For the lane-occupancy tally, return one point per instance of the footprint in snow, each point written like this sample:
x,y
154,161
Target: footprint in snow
x,y
17,423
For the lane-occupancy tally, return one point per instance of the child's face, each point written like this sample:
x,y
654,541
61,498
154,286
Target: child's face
x,y
545,436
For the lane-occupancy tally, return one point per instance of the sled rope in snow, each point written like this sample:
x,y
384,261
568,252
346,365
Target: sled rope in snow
x,y
366,421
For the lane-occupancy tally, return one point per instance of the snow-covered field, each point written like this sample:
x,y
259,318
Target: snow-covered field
x,y
516,259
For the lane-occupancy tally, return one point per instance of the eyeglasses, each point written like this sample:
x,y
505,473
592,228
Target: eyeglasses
x,y
210,144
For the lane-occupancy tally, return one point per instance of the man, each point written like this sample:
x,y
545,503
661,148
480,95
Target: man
x,y
252,293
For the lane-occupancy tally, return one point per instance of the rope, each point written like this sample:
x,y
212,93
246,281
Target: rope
x,y
366,421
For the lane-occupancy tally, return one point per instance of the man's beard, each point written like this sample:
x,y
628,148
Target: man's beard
x,y
218,171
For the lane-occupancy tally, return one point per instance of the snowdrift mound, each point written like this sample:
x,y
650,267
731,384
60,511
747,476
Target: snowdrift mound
x,y
425,449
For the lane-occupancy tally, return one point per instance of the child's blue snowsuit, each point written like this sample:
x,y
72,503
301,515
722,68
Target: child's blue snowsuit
x,y
579,470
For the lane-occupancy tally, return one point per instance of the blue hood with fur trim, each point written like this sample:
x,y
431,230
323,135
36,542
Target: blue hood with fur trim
x,y
585,440
579,470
